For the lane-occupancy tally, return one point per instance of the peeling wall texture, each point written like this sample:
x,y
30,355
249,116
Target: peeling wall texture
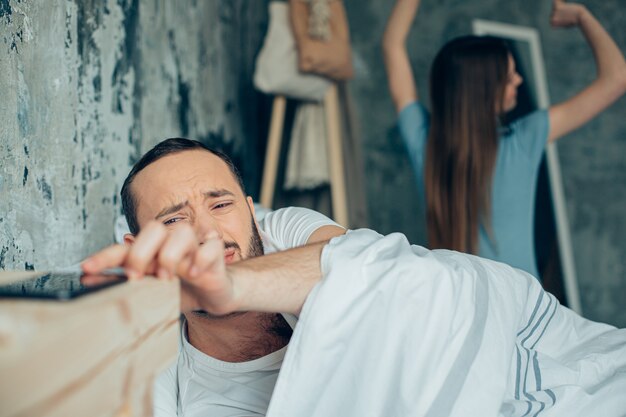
x,y
593,159
87,86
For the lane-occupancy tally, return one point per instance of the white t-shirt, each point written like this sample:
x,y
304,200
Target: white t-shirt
x,y
199,385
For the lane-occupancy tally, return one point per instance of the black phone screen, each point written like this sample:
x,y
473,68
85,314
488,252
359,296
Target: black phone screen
x,y
60,286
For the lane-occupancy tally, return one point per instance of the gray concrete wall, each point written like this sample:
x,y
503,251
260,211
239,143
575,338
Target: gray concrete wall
x,y
593,159
86,86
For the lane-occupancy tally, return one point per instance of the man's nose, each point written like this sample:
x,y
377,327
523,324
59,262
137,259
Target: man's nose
x,y
206,225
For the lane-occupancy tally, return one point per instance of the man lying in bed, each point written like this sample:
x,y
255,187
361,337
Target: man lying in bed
x,y
387,328
226,364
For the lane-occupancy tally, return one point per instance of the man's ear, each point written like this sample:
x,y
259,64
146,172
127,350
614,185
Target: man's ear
x,y
251,206
129,239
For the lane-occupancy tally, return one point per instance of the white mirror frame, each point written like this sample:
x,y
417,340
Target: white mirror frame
x,y
531,36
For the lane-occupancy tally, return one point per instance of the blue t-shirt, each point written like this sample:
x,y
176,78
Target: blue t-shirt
x,y
514,182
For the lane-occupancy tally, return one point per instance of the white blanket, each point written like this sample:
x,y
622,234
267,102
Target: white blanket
x,y
397,330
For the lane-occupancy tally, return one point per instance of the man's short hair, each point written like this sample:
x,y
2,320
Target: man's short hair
x,y
167,147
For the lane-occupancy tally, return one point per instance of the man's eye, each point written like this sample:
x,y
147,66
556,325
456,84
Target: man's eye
x,y
223,205
172,220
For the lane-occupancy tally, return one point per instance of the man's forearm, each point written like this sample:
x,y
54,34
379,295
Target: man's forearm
x,y
279,282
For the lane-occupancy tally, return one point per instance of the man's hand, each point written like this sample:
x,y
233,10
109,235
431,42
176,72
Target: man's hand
x,y
566,14
205,284
279,282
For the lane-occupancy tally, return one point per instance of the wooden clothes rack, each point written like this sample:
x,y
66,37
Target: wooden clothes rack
x,y
335,154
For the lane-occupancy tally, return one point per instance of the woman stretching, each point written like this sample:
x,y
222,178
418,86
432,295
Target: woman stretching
x,y
478,176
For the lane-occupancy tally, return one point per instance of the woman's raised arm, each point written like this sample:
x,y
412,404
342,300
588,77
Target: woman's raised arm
x,y
399,73
610,82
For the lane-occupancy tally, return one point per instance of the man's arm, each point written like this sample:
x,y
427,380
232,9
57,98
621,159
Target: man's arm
x,y
291,227
278,282
325,233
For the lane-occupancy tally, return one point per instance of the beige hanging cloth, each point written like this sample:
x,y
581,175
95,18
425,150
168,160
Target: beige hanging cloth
x,y
307,160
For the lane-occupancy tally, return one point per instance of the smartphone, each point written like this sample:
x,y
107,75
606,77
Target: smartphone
x,y
61,285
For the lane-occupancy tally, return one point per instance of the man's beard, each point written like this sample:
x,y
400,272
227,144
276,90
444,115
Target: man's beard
x,y
255,249
256,244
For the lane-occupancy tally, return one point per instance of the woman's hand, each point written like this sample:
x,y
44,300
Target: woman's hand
x,y
566,14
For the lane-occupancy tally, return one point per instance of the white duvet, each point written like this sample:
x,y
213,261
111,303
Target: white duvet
x,y
397,330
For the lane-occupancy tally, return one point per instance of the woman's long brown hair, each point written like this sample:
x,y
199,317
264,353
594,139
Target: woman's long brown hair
x,y
467,84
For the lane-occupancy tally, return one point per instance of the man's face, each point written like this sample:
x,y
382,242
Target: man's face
x,y
197,188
